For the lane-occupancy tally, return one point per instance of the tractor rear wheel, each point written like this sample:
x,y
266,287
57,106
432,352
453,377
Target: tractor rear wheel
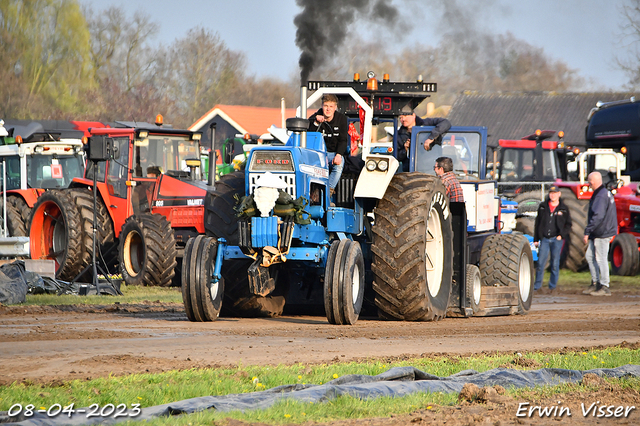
x,y
16,226
624,255
574,249
55,232
201,297
528,203
147,250
84,201
413,249
506,260
221,221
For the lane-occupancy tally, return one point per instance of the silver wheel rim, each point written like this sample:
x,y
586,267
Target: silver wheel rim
x,y
524,277
214,288
355,285
477,288
434,252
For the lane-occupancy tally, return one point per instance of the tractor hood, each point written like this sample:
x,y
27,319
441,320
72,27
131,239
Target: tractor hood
x,y
181,192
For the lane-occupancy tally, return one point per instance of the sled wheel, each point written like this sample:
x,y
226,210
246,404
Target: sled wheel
x,y
473,288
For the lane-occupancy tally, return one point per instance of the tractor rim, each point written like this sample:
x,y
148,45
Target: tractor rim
x,y
617,256
434,252
214,288
477,289
133,253
524,277
355,284
51,243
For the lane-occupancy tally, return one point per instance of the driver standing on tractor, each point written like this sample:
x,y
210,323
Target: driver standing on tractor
x,y
333,124
408,119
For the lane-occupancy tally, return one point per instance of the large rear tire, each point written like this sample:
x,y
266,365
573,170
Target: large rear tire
x,y
147,251
16,226
625,259
83,199
574,250
201,297
506,260
221,221
413,249
55,232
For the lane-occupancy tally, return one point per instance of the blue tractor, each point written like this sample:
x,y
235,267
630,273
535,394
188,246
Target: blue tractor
x,y
392,242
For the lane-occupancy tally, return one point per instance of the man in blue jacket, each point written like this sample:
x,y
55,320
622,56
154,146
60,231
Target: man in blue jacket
x,y
602,224
408,119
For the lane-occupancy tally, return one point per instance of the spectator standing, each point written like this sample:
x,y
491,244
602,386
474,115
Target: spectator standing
x,y
444,169
333,124
408,119
601,226
552,228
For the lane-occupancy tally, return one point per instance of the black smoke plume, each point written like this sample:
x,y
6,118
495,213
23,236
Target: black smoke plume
x,y
323,25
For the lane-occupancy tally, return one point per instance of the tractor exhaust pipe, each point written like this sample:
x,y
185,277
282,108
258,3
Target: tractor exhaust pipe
x,y
303,114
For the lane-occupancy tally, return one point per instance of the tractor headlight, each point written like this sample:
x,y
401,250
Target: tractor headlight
x,y
371,165
383,165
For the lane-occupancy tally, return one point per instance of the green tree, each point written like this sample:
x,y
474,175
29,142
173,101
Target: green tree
x,y
46,47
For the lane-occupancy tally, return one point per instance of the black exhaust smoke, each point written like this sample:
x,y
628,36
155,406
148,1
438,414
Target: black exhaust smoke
x,y
322,27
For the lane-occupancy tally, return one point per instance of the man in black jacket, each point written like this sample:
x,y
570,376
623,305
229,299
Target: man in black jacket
x,y
333,125
552,229
602,224
408,119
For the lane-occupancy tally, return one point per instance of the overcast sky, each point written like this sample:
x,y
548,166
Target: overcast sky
x,y
582,33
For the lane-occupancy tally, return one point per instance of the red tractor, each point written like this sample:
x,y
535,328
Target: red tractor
x,y
149,203
615,126
526,168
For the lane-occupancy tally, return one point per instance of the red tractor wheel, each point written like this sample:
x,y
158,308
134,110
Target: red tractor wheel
x,y
55,232
147,250
624,255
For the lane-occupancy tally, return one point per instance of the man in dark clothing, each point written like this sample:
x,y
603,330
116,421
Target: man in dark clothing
x,y
552,228
602,224
333,125
408,119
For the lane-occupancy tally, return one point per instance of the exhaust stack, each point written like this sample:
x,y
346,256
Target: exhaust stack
x,y
303,114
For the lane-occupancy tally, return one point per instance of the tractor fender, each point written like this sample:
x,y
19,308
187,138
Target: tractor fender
x,y
374,183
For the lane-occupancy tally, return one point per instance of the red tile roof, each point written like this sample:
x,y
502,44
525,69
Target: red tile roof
x,y
247,119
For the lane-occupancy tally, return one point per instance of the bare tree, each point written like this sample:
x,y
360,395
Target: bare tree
x,y
630,36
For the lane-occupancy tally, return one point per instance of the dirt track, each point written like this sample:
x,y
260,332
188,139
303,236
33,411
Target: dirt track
x,y
51,344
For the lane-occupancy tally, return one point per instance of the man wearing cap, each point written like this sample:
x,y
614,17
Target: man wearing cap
x,y
552,228
408,119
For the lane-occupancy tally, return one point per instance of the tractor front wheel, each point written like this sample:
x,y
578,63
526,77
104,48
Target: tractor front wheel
x,y
202,297
344,283
147,250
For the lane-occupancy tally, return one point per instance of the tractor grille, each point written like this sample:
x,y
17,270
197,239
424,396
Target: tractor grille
x,y
345,189
289,180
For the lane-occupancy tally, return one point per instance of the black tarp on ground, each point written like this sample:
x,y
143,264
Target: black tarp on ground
x,y
397,381
16,282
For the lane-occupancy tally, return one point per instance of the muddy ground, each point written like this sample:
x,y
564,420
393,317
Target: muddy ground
x,y
57,344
